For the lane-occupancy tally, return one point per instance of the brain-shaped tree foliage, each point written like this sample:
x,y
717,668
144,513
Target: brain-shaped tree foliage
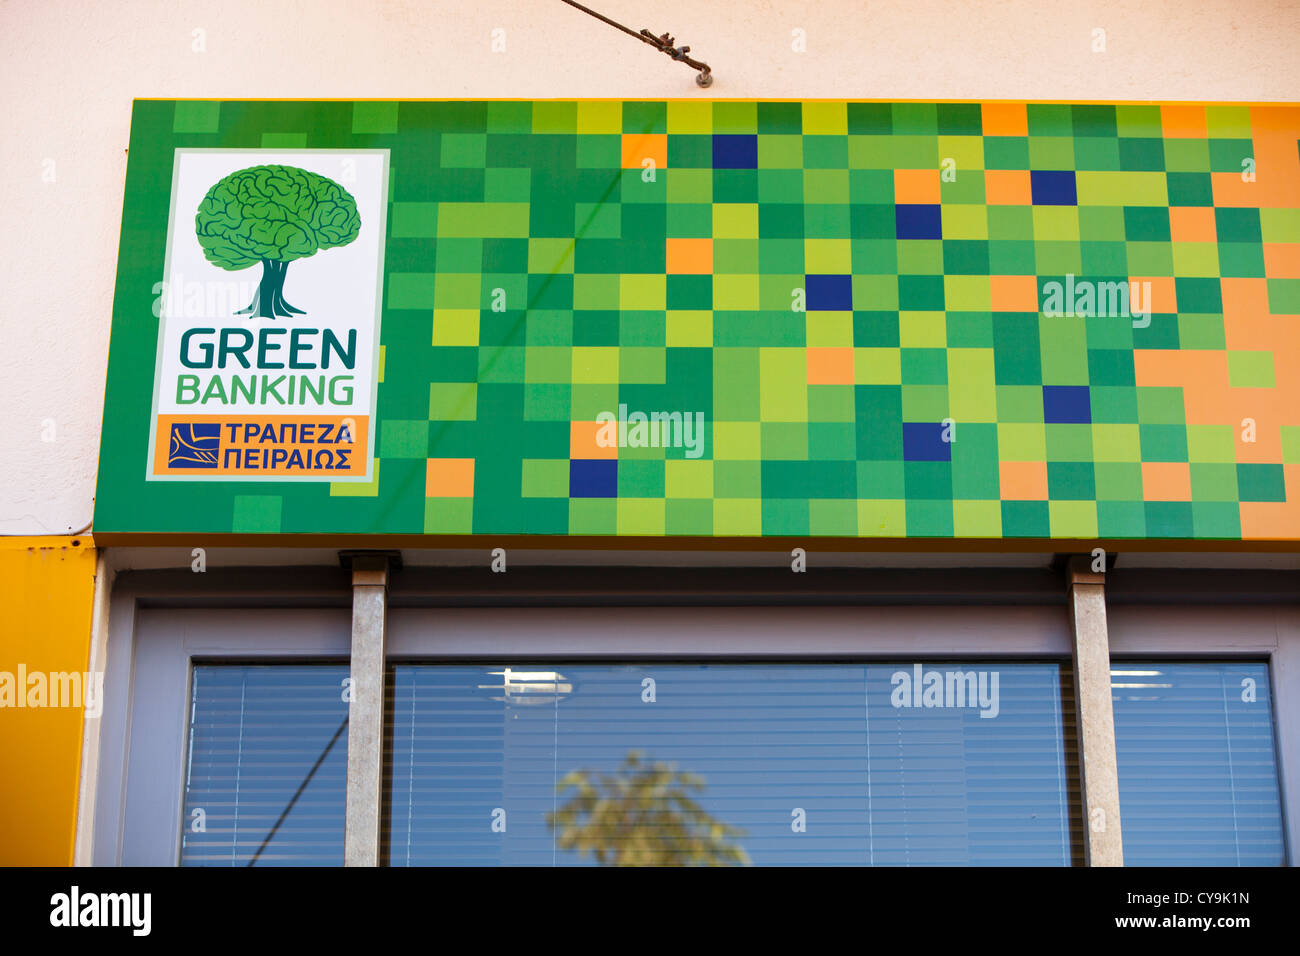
x,y
273,215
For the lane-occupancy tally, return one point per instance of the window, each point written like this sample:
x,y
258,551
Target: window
x,y
794,763
891,785
1197,768
265,781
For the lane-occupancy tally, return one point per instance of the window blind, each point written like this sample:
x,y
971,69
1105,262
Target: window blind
x,y
801,764
265,777
1197,766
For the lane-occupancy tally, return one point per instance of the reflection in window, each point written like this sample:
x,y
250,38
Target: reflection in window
x,y
564,764
1197,769
265,783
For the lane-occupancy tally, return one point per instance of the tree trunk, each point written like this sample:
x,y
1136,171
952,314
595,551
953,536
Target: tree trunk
x,y
268,301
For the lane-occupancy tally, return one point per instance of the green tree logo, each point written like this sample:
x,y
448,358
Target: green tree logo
x,y
273,215
642,815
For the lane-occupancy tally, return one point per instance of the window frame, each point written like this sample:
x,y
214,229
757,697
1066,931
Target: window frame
x,y
1268,634
956,625
146,720
1245,658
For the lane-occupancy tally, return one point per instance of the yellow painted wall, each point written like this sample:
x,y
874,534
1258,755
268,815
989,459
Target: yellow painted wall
x,y
46,596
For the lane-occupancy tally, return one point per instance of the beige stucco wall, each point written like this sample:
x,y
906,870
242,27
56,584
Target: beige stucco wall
x,y
70,70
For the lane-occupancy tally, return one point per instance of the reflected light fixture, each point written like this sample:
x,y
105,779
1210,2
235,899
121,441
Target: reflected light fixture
x,y
528,688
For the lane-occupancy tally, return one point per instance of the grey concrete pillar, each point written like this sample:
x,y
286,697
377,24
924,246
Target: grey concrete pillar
x,y
366,710
1090,644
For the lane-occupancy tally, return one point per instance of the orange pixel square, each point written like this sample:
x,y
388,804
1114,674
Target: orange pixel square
x,y
830,365
1185,122
1007,187
1192,224
1282,260
1005,119
1164,294
1013,293
1023,480
690,256
916,186
1166,481
449,478
585,440
638,147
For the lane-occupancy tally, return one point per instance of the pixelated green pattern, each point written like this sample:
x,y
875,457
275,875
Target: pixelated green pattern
x,y
850,295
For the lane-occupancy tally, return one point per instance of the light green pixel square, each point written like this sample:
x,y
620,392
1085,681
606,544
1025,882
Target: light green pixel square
x,y
977,519
1138,121
1279,225
780,151
596,292
737,441
1211,443
550,256
882,518
1022,441
1290,444
740,517
783,384
1251,370
463,151
833,516
197,116
1196,259
413,290
595,365
590,400
1072,519
453,401
1069,442
1116,442
593,515
925,403
458,291
448,515
690,185
642,365
641,516
688,478
965,221
369,116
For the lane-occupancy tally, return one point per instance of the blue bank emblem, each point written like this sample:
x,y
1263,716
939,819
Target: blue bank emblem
x,y
194,445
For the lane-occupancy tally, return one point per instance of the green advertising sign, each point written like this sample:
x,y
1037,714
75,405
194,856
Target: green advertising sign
x,y
861,321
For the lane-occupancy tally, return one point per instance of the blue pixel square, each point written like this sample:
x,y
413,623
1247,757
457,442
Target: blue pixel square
x,y
735,151
593,478
918,222
1066,405
194,445
830,293
923,441
1053,187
